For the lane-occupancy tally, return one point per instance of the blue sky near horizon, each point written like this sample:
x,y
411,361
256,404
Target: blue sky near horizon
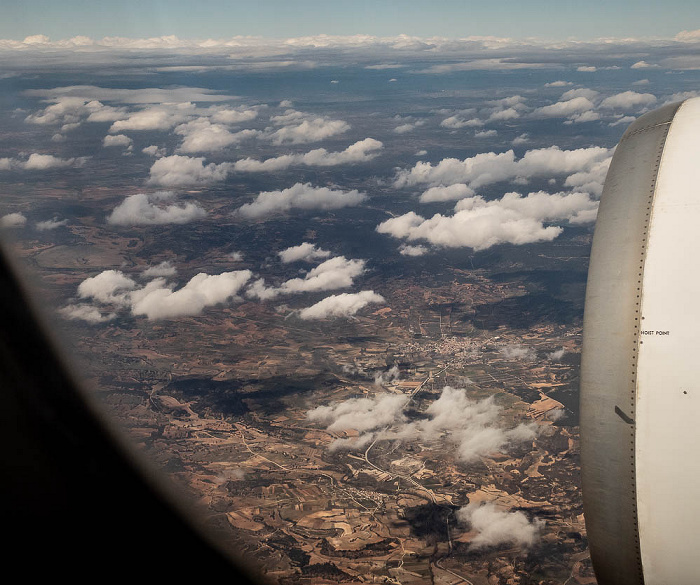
x,y
547,19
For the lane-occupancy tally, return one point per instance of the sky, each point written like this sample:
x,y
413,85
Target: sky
x,y
547,19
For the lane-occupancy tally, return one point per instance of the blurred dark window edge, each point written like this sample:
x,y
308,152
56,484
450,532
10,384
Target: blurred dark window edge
x,y
74,498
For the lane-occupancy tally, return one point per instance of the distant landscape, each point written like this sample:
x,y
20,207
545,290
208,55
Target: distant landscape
x,y
334,289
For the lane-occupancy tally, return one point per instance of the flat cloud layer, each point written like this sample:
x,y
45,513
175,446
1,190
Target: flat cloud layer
x,y
299,196
144,209
480,224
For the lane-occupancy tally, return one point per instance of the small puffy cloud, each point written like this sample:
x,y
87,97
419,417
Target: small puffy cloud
x,y
51,224
457,121
334,273
480,224
449,193
177,171
361,414
489,167
495,526
485,134
413,251
408,125
202,136
307,252
309,130
422,152
158,301
642,82
556,355
108,287
164,269
154,150
586,92
260,290
628,100
555,414
299,196
587,68
471,425
558,84
564,109
342,305
40,162
518,352
522,139
70,111
503,115
153,209
13,220
117,140
589,116
159,117
86,313
361,151
223,115
643,65
236,256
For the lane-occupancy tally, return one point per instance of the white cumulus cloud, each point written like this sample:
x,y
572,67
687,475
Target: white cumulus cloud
x,y
165,268
472,426
480,224
201,135
495,526
489,167
156,299
450,193
305,251
177,171
153,209
13,220
299,196
342,305
117,140
628,100
309,130
50,224
361,151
